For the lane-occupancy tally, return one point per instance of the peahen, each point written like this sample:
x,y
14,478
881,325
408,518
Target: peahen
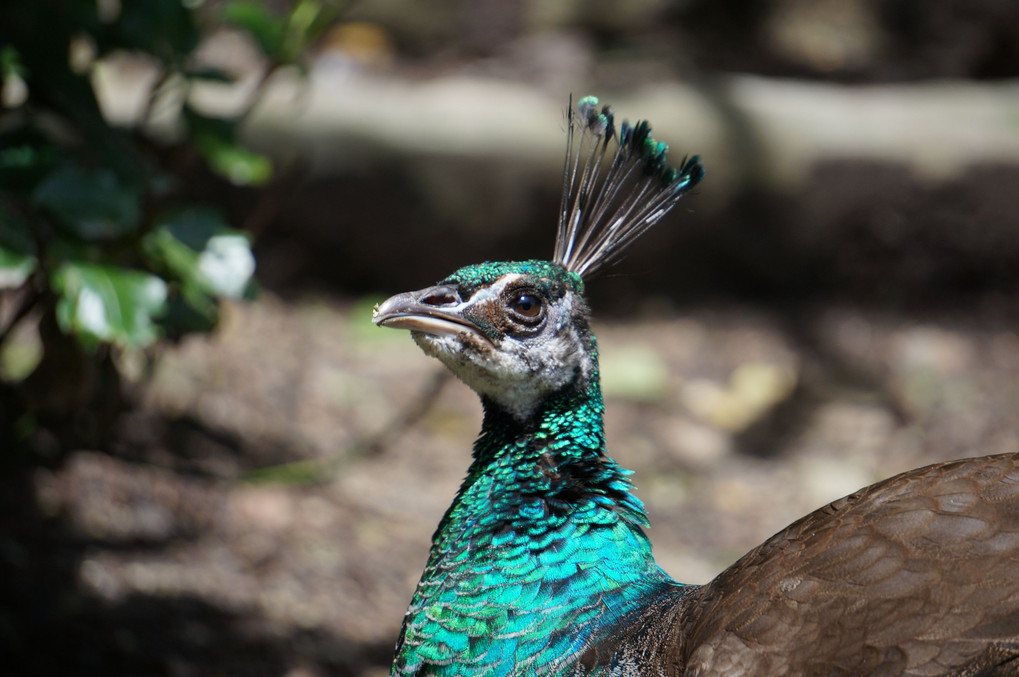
x,y
541,566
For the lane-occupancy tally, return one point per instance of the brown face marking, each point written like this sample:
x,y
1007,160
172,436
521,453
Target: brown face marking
x,y
490,316
493,315
476,343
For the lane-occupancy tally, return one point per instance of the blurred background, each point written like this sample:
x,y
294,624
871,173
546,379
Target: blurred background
x,y
213,464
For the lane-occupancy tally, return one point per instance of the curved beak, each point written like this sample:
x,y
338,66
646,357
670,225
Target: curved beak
x,y
435,310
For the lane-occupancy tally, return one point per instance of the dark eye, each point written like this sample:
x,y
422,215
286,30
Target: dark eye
x,y
526,305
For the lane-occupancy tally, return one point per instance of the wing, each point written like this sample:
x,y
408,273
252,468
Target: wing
x,y
916,575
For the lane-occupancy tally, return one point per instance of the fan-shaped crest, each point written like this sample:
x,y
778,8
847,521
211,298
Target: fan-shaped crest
x,y
603,212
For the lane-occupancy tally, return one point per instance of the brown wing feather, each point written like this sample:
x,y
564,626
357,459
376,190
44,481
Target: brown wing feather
x,y
916,575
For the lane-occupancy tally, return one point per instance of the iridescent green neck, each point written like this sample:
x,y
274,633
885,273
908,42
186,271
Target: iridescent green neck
x,y
541,553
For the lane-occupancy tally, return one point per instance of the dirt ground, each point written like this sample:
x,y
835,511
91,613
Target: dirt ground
x,y
198,546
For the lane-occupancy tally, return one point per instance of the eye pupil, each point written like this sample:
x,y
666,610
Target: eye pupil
x,y
527,305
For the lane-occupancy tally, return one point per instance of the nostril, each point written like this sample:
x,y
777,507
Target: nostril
x,y
440,297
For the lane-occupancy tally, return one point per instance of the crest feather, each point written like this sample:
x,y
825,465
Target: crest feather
x,y
600,216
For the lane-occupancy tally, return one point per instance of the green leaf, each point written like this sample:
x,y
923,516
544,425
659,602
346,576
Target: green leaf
x,y
15,268
307,20
242,167
265,27
215,139
91,204
10,62
109,304
197,247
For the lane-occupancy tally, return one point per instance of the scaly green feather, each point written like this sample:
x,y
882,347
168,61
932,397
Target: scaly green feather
x,y
543,549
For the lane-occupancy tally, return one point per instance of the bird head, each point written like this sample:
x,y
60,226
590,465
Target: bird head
x,y
518,332
515,332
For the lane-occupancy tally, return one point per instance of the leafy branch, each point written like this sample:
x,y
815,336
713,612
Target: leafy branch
x,y
96,233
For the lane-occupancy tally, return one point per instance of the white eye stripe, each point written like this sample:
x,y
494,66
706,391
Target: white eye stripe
x,y
494,291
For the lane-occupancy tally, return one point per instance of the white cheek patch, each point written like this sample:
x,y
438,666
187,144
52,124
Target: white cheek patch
x,y
452,346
